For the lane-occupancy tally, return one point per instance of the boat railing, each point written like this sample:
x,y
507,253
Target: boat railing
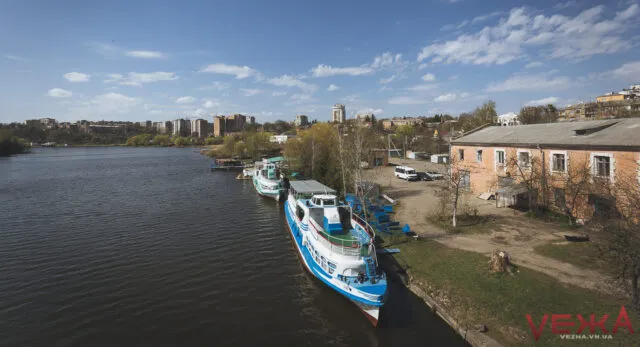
x,y
365,225
350,247
369,230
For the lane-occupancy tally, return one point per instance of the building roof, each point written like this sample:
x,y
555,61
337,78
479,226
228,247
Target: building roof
x,y
623,133
310,187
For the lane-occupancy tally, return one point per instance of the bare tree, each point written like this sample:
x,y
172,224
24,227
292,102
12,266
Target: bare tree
x,y
620,235
576,183
455,185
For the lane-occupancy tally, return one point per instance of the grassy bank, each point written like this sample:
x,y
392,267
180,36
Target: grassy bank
x,y
461,282
581,254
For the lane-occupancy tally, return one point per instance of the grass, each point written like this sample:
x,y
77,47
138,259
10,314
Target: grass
x,y
466,223
580,254
473,296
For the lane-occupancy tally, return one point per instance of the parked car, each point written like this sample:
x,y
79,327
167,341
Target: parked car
x,y
406,173
422,176
434,175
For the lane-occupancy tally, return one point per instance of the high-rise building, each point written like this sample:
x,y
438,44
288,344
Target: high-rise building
x,y
199,128
301,120
223,125
338,113
219,126
181,127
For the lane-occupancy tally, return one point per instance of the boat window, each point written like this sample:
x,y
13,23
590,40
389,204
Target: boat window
x,y
300,212
328,202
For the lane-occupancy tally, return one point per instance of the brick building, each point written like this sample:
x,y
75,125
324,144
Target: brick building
x,y
495,160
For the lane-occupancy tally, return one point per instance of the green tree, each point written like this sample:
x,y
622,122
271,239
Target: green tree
x,y
162,140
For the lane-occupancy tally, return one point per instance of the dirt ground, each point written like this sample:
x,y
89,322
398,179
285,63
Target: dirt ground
x,y
508,230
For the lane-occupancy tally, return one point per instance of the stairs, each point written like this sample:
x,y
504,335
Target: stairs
x,y
371,267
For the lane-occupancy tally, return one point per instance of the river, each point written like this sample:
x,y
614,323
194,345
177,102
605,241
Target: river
x,y
146,246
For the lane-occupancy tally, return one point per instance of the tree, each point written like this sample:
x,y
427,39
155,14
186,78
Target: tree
x,y
451,193
314,154
620,233
538,114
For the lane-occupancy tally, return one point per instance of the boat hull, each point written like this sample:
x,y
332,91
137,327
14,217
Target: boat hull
x,y
371,312
275,194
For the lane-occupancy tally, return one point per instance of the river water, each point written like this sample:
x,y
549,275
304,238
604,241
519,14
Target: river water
x,y
132,246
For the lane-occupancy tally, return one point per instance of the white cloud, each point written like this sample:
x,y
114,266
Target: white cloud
x,y
544,101
566,4
328,71
446,97
408,100
387,60
530,83
554,36
216,85
290,81
423,66
332,87
453,77
629,72
185,100
278,93
76,77
59,93
139,78
533,64
113,103
146,54
210,104
429,77
374,111
475,20
14,57
250,92
300,98
240,72
388,80
423,87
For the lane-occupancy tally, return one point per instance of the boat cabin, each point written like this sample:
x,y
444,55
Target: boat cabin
x,y
324,200
308,188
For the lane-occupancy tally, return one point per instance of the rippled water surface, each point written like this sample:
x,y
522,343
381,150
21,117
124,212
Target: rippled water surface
x,y
130,246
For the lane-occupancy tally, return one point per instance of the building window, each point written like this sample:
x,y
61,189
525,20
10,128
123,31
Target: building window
x,y
602,166
500,157
461,154
524,159
558,162
479,156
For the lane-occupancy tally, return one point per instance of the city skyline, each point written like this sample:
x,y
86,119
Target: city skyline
x,y
440,56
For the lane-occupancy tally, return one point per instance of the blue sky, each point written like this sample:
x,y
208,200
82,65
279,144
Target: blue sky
x,y
150,60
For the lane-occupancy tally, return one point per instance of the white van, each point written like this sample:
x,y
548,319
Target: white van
x,y
406,173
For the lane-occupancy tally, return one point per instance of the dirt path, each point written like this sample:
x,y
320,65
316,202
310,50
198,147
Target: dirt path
x,y
510,230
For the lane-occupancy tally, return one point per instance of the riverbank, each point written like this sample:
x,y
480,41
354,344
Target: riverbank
x,y
452,268
459,283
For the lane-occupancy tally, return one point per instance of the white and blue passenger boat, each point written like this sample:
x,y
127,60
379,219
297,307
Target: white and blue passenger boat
x,y
335,245
267,180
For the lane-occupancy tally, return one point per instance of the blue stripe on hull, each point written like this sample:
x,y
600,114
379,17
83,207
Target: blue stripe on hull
x,y
316,270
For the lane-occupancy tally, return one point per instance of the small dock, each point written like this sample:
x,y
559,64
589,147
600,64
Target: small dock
x,y
242,176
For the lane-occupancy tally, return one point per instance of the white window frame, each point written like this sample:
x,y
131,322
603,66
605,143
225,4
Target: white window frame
x,y
495,159
566,161
612,164
461,151
528,167
481,158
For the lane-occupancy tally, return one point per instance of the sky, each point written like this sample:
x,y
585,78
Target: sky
x,y
151,60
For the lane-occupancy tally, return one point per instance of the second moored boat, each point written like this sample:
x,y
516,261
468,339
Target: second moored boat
x,y
268,180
